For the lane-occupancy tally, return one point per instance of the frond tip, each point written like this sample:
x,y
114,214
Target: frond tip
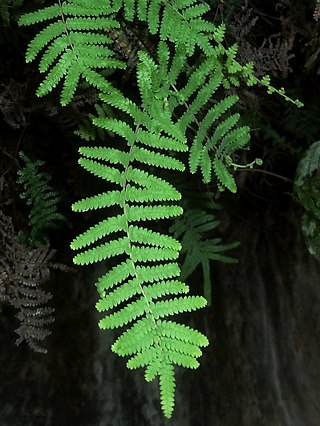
x,y
158,346
167,388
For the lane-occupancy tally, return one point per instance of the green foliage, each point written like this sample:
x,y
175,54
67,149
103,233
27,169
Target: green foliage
x,y
184,110
307,189
193,230
310,226
42,200
308,165
74,45
144,281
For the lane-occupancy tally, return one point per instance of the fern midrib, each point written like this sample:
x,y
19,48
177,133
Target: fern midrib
x,y
67,32
128,233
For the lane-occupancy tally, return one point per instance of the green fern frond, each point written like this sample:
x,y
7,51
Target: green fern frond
x,y
143,286
41,198
73,46
192,229
210,153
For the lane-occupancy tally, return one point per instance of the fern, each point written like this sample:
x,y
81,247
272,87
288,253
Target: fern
x,y
183,108
145,279
75,48
23,272
42,200
191,230
74,44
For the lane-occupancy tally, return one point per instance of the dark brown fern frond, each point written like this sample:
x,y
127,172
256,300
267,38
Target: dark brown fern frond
x,y
127,41
273,55
3,290
22,273
31,270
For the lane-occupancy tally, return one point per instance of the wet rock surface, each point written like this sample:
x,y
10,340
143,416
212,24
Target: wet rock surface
x,y
262,367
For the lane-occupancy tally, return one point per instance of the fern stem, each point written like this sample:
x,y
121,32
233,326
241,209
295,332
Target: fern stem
x,y
66,28
128,235
185,104
266,172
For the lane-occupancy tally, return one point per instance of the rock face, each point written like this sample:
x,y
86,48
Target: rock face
x,y
262,367
266,317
